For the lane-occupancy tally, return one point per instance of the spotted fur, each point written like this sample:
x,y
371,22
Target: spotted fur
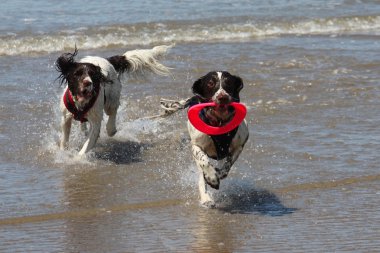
x,y
104,73
221,88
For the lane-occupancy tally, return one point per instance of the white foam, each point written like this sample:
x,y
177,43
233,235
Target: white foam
x,y
153,34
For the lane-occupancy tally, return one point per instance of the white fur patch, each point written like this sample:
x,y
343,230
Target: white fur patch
x,y
220,90
219,75
88,78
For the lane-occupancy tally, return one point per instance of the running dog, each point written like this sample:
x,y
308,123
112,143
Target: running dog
x,y
221,88
93,85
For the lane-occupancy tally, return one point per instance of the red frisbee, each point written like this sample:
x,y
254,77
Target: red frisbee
x,y
199,124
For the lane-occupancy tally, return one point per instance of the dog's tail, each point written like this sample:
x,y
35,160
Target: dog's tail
x,y
138,62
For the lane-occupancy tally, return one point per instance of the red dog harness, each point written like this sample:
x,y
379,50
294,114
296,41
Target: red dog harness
x,y
79,114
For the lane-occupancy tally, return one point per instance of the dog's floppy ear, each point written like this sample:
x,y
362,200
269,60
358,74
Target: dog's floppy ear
x,y
64,64
237,86
98,75
200,88
197,87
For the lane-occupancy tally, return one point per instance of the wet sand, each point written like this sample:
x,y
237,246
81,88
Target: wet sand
x,y
307,180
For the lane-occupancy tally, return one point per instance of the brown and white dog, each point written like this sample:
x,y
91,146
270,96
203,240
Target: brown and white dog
x,y
94,85
221,88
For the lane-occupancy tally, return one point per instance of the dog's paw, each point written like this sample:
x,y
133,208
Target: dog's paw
x,y
212,180
111,128
111,133
221,173
63,146
208,204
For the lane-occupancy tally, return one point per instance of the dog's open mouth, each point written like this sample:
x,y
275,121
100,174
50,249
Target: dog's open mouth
x,y
219,115
83,95
222,107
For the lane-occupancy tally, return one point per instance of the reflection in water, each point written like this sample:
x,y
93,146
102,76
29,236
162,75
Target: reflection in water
x,y
223,229
212,232
86,189
99,186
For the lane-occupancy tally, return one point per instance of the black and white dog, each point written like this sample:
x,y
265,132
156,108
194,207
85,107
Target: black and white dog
x,y
94,85
222,88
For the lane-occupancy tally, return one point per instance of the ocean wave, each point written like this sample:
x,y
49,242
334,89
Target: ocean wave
x,y
157,33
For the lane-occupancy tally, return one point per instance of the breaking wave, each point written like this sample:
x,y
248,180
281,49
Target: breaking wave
x,y
179,32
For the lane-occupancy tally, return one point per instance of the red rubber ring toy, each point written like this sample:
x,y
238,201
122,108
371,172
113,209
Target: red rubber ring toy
x,y
199,124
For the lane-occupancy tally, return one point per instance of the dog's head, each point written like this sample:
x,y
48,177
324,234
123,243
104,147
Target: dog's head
x,y
218,86
221,88
82,78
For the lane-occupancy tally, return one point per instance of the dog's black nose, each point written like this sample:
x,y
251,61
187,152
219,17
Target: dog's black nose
x,y
222,98
86,82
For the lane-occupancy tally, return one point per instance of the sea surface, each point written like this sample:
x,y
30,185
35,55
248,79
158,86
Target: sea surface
x,y
308,179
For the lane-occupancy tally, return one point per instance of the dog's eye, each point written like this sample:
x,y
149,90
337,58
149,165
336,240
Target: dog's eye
x,y
211,84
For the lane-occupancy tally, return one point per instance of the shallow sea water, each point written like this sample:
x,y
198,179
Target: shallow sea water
x,y
307,180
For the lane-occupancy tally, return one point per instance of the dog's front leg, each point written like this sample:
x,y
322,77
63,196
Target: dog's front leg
x,y
83,128
202,162
230,160
111,124
92,137
65,127
206,168
206,199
